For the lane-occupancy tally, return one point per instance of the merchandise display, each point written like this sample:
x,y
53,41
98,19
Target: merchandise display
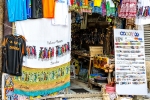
x,y
100,61
36,8
50,80
14,48
61,9
46,50
130,62
9,89
48,8
72,48
143,12
128,9
16,10
28,8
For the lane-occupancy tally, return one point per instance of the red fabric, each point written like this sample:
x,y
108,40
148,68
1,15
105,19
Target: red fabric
x,y
128,9
72,2
110,89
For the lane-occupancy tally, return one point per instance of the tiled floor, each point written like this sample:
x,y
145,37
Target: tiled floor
x,y
75,84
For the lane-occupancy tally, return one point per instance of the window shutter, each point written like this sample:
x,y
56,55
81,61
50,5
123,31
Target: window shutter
x,y
147,41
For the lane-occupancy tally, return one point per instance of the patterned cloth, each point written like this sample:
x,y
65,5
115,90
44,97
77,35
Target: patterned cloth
x,y
42,81
128,9
112,96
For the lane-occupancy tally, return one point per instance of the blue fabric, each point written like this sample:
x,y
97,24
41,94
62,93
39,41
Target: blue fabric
x,y
28,8
16,10
41,92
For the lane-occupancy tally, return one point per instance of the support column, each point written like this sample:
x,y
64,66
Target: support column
x,y
1,29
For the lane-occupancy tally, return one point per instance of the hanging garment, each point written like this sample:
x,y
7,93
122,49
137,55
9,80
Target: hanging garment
x,y
143,12
14,48
61,13
41,48
48,8
143,8
103,8
28,8
110,8
36,9
97,3
16,10
128,9
86,2
95,9
84,21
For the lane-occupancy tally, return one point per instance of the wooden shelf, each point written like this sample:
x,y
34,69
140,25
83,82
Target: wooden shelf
x,y
95,83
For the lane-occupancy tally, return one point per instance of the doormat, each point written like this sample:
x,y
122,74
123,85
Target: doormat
x,y
80,90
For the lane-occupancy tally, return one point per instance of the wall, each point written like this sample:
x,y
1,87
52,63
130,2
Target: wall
x,y
1,28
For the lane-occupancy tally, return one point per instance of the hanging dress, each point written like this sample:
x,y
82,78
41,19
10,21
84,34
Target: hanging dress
x,y
143,8
128,9
143,12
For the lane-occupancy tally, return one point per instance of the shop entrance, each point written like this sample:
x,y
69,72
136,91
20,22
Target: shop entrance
x,y
92,36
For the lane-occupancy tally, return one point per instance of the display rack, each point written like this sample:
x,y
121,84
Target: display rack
x,y
94,50
92,82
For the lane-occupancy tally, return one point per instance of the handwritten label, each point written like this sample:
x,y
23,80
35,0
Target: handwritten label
x,y
25,87
57,41
60,82
54,62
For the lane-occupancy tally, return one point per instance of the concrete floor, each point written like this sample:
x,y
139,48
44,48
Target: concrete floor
x,y
75,84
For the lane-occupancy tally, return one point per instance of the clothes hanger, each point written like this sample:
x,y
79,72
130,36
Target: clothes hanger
x,y
14,30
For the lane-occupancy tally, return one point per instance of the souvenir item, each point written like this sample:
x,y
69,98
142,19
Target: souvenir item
x,y
128,9
28,84
143,9
130,61
61,13
14,47
28,9
16,10
36,9
48,8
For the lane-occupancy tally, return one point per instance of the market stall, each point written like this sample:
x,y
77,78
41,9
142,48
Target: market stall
x,y
95,43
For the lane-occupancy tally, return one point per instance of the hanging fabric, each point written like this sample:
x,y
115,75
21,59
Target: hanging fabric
x,y
143,12
16,10
28,9
128,9
14,47
36,9
61,13
48,8
84,21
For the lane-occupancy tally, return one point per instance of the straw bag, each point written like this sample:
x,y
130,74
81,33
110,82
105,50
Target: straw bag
x,y
106,96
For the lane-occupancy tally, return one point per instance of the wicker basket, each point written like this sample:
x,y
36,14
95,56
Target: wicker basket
x,y
105,96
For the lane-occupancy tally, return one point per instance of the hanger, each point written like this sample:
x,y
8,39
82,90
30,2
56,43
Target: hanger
x,y
14,30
